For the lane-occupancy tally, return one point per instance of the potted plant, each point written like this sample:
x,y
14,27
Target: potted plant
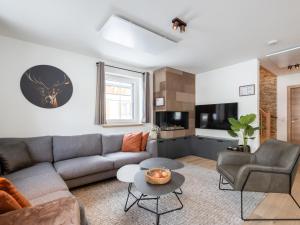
x,y
154,133
242,128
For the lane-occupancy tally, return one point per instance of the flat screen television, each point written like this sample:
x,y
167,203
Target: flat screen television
x,y
215,116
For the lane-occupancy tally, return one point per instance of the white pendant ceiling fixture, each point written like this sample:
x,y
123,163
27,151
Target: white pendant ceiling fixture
x,y
128,34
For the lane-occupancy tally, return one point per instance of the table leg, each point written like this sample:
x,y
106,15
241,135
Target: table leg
x,y
126,208
157,213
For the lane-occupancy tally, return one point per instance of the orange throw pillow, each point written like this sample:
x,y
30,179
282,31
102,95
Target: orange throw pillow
x,y
7,202
144,141
8,187
132,142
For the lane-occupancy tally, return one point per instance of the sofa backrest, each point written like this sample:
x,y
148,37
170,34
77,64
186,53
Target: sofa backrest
x,y
68,147
112,143
40,148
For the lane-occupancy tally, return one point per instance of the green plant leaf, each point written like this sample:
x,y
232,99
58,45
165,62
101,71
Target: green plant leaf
x,y
249,131
232,133
235,129
256,128
247,119
234,123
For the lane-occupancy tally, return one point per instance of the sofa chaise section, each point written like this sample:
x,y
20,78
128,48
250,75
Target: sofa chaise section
x,y
38,180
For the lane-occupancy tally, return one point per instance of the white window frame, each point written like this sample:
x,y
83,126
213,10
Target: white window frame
x,y
137,83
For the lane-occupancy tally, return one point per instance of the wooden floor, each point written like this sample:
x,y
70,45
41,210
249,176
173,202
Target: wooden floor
x,y
274,205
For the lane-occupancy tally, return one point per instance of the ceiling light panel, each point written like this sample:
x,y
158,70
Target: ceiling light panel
x,y
128,34
283,51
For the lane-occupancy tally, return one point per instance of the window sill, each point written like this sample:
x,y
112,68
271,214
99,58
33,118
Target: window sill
x,y
122,125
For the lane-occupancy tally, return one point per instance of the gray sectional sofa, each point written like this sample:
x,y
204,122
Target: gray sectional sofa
x,y
63,162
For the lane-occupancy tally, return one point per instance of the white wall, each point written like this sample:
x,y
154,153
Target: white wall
x,y
222,86
282,83
20,118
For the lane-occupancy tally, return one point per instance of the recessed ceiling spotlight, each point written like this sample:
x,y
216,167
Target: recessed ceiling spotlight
x,y
272,42
178,23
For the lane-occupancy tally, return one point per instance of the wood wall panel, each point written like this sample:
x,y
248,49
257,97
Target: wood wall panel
x,y
178,89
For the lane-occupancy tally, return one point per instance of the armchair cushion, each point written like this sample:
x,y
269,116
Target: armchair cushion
x,y
262,179
234,158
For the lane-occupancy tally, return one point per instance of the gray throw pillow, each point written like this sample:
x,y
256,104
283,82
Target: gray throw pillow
x,y
14,156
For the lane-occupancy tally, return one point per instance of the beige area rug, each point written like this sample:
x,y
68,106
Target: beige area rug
x,y
204,203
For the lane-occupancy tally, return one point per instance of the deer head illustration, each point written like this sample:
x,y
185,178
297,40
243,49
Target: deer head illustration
x,y
48,94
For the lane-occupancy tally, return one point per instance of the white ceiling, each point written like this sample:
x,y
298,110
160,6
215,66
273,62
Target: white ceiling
x,y
219,32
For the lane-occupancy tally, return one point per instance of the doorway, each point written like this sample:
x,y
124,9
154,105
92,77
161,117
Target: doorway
x,y
293,115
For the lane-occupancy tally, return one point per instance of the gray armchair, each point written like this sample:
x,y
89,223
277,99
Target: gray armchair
x,y
271,169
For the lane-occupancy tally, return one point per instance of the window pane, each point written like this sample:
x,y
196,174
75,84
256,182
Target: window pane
x,y
119,104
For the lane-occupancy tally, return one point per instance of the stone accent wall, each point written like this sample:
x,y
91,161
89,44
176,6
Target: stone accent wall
x,y
268,96
178,89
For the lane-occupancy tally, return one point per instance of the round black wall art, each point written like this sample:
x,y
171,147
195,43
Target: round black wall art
x,y
46,86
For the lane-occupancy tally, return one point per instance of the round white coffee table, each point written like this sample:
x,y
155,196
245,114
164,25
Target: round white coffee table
x,y
126,174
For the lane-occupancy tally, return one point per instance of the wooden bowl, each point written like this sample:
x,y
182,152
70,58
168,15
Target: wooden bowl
x,y
158,176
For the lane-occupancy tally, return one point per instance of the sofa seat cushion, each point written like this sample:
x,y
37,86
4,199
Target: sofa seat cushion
x,y
229,171
37,169
123,158
82,166
38,180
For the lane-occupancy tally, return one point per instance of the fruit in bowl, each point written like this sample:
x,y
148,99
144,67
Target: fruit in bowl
x,y
158,176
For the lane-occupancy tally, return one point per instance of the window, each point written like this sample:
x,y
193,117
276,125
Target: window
x,y
122,96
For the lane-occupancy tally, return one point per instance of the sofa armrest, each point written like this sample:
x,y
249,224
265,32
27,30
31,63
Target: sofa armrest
x,y
261,178
234,158
64,211
152,148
